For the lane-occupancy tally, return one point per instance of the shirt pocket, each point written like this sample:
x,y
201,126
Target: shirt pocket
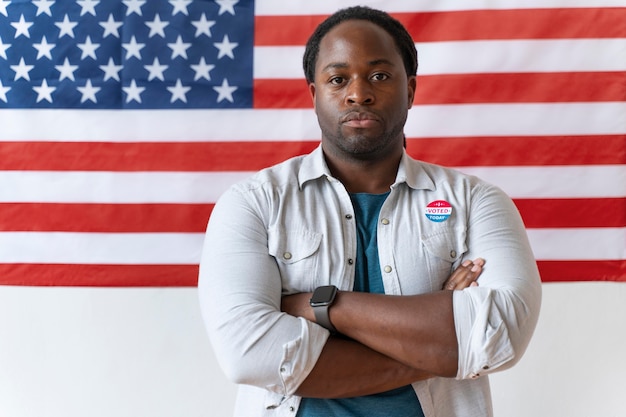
x,y
443,248
297,256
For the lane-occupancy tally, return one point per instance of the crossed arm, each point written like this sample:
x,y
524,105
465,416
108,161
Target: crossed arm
x,y
390,341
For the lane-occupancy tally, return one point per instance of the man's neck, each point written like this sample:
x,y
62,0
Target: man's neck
x,y
361,176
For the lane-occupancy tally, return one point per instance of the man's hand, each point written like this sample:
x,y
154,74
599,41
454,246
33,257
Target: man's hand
x,y
465,275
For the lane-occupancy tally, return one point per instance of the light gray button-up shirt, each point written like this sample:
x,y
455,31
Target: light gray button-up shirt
x,y
290,229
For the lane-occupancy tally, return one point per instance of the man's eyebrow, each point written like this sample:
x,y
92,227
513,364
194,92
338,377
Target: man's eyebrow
x,y
342,65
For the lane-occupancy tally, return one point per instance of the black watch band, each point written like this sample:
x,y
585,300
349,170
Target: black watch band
x,y
323,297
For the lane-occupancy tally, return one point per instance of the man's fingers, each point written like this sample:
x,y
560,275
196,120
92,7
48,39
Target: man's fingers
x,y
465,275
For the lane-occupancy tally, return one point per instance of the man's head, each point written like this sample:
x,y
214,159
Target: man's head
x,y
404,42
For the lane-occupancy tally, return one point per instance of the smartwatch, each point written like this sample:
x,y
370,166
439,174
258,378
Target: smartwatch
x,y
323,297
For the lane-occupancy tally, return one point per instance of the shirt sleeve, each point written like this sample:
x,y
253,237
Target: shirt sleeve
x,y
495,321
240,293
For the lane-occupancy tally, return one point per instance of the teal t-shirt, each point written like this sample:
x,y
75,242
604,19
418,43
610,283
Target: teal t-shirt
x,y
400,402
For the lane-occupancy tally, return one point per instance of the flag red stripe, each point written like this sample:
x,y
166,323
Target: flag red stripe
x,y
247,156
99,275
192,218
573,212
567,271
576,23
187,275
103,218
550,87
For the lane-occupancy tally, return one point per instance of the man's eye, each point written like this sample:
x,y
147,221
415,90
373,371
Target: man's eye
x,y
336,80
380,77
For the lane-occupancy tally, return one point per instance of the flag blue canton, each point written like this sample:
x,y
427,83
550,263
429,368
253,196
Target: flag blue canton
x,y
130,54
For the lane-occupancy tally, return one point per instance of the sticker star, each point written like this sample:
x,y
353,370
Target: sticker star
x,y
66,70
156,27
111,70
178,92
66,27
3,48
133,92
44,92
43,6
44,48
203,26
133,48
3,92
225,91
226,6
202,70
180,6
88,48
22,27
111,27
156,70
88,92
179,48
133,6
87,6
225,48
22,70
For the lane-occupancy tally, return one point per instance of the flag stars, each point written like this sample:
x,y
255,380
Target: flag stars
x,y
44,48
88,48
133,6
44,92
111,27
111,70
66,27
180,6
88,6
66,70
225,48
3,92
179,48
43,6
202,70
3,48
88,92
133,49
21,70
157,27
133,92
179,92
225,91
3,7
203,26
22,27
156,70
226,6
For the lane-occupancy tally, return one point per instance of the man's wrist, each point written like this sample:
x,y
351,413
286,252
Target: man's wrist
x,y
321,301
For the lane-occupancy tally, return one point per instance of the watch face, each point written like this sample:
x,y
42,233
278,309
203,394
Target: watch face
x,y
323,295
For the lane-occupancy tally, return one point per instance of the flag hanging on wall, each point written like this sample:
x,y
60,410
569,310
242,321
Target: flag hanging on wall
x,y
121,123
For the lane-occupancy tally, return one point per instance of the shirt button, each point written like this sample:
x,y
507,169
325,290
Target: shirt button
x,y
385,221
453,253
287,255
485,367
387,269
348,216
292,409
350,261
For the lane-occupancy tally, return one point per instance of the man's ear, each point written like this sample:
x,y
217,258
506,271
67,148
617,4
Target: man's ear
x,y
312,92
412,86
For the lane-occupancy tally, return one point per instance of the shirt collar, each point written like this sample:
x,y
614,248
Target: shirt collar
x,y
410,171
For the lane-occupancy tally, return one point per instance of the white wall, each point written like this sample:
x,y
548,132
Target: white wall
x,y
94,352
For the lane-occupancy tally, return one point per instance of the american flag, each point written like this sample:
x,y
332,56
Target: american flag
x,y
121,123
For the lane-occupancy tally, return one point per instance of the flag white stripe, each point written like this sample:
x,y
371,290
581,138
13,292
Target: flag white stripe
x,y
184,248
205,187
303,7
475,57
578,244
528,119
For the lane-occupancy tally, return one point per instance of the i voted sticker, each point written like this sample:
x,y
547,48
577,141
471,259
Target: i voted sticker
x,y
438,211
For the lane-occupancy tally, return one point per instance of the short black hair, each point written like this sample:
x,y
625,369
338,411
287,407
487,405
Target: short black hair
x,y
402,38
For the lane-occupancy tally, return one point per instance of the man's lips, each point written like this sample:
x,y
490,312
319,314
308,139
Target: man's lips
x,y
360,120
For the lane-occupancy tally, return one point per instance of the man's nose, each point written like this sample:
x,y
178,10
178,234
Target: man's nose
x,y
360,91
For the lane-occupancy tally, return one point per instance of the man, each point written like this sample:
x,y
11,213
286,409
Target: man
x,y
344,282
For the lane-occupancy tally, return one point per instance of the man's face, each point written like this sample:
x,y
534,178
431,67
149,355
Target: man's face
x,y
361,91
